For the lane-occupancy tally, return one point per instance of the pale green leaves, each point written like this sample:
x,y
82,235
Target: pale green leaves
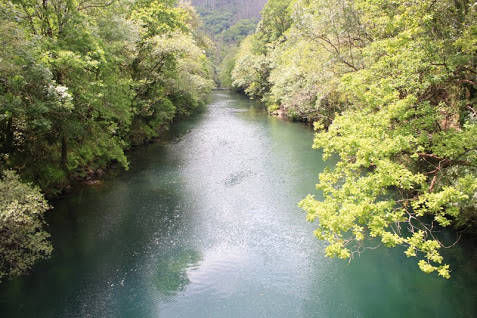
x,y
391,88
24,240
337,250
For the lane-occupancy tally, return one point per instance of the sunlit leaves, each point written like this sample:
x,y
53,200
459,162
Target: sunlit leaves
x,y
403,154
158,17
24,240
391,88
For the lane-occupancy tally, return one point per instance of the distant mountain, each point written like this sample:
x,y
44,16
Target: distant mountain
x,y
242,9
227,22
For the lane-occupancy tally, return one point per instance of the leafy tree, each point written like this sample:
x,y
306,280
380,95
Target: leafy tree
x,y
24,240
83,81
159,70
251,69
391,88
407,149
227,22
239,31
275,20
78,126
226,67
91,79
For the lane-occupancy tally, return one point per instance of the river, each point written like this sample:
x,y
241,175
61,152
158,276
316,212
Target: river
x,y
206,224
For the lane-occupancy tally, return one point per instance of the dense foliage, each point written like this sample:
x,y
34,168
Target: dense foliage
x,y
83,81
390,86
23,240
227,22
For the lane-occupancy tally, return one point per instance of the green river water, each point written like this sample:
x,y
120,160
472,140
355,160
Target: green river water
x,y
206,224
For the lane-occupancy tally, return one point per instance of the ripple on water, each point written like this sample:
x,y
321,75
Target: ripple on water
x,y
237,177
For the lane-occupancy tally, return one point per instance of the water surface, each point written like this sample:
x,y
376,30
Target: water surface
x,y
206,224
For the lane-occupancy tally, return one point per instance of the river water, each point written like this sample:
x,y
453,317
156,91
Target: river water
x,y
206,224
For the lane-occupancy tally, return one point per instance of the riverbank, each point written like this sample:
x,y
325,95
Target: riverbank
x,y
95,177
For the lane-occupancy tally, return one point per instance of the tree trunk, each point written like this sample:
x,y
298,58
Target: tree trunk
x,y
64,152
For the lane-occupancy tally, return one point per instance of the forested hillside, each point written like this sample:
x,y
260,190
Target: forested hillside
x,y
80,83
228,22
242,9
391,89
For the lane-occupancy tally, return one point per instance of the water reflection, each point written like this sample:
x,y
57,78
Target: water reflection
x,y
172,271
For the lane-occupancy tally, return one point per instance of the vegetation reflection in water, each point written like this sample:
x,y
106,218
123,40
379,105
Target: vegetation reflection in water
x,y
171,276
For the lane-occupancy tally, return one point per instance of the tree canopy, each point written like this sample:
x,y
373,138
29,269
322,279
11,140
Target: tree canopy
x,y
390,87
81,82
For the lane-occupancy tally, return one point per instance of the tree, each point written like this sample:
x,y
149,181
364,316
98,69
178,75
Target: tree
x,y
390,86
24,240
407,149
84,81
80,83
63,80
251,69
165,87
275,20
